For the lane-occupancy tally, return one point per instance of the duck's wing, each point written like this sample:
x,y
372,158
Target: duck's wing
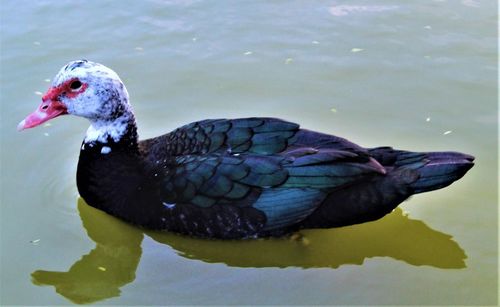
x,y
221,178
266,172
274,191
257,135
245,135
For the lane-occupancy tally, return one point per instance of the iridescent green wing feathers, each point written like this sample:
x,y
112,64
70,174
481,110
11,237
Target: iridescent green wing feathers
x,y
260,163
251,135
205,180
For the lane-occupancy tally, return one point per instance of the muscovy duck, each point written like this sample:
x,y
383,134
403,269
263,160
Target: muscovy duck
x,y
237,178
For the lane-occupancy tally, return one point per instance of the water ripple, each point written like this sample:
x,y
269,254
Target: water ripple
x,y
344,10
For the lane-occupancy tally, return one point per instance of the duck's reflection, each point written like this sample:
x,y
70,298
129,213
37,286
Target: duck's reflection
x,y
113,262
109,266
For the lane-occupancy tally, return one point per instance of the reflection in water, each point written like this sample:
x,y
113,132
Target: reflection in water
x,y
394,236
109,266
113,262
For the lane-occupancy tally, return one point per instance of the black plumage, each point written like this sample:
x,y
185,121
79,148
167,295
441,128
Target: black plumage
x,y
254,177
235,178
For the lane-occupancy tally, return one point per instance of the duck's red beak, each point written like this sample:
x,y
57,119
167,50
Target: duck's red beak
x,y
47,110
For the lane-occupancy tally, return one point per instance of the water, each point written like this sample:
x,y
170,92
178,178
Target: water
x,y
390,73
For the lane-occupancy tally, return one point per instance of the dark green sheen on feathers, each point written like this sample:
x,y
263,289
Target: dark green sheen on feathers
x,y
257,176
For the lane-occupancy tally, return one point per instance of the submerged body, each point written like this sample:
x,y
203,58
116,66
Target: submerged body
x,y
231,178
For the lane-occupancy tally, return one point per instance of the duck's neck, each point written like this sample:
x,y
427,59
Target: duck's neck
x,y
121,132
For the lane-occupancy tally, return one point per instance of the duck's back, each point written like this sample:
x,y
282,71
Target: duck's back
x,y
249,177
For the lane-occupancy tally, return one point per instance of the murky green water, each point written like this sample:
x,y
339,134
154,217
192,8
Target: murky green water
x,y
390,73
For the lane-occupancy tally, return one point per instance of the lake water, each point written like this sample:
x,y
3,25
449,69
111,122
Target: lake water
x,y
417,76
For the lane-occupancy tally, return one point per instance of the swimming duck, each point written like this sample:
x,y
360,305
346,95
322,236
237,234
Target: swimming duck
x,y
230,178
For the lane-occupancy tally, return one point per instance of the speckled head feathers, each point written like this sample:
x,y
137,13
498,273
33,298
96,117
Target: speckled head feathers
x,y
104,94
100,96
84,69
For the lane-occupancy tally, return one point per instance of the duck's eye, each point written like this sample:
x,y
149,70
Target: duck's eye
x,y
75,85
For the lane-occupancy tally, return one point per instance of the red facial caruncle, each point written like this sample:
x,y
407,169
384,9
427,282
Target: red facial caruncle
x,y
51,105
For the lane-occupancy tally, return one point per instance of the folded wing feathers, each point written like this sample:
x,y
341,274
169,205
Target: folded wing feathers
x,y
248,154
255,135
221,176
323,156
284,207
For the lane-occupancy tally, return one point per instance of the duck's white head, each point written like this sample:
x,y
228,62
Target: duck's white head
x,y
90,90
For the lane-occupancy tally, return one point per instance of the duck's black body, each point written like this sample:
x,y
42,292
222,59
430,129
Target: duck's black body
x,y
254,177
230,178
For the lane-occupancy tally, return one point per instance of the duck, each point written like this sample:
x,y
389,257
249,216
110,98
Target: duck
x,y
230,178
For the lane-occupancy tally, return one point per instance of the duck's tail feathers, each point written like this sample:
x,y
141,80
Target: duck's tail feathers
x,y
434,170
442,170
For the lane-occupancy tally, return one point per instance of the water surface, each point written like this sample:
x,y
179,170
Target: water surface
x,y
417,76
